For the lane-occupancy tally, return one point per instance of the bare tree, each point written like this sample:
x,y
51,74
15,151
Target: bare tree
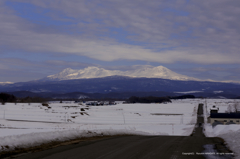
x,y
230,109
236,106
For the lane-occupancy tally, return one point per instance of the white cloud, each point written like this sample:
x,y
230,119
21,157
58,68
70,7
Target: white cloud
x,y
16,70
213,27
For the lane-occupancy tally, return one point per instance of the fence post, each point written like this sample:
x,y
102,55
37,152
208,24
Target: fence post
x,y
182,118
66,117
123,117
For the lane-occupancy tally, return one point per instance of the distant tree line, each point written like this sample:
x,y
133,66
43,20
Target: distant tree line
x,y
149,99
33,100
152,99
183,97
4,97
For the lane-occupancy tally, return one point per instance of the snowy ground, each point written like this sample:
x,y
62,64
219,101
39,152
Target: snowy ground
x,y
230,133
23,124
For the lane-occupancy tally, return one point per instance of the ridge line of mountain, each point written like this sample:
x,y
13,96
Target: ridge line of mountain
x,y
96,72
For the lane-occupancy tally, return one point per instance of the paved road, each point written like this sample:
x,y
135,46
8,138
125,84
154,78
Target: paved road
x,y
136,147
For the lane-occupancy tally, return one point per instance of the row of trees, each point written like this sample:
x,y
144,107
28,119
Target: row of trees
x,y
149,99
234,107
152,99
4,97
183,97
32,100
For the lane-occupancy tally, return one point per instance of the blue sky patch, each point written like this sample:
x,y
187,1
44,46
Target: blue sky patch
x,y
38,15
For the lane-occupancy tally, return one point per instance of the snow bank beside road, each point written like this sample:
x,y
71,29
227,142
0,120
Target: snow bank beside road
x,y
220,129
233,141
230,133
35,139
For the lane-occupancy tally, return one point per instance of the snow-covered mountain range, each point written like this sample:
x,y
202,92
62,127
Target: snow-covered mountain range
x,y
96,72
157,81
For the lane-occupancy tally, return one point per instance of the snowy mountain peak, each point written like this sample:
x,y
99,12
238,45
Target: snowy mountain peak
x,y
96,72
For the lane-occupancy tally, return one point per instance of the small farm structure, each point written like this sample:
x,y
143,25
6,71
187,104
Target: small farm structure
x,y
214,109
224,118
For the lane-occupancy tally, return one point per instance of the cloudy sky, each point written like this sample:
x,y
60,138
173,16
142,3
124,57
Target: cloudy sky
x,y
200,39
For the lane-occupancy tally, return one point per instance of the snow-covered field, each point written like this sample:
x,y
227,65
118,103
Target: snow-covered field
x,y
26,124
